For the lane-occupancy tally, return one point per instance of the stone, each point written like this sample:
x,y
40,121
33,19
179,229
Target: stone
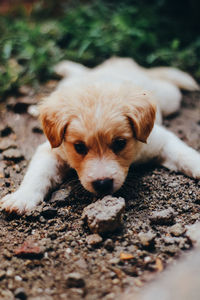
x,y
163,217
20,294
13,154
30,250
177,229
147,238
171,249
33,111
104,215
6,143
93,239
75,280
109,245
25,90
49,212
193,233
5,130
58,198
2,274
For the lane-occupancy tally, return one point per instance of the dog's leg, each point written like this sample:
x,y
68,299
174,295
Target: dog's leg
x,y
172,152
42,174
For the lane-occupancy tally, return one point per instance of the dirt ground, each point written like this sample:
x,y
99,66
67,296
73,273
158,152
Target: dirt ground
x,y
60,263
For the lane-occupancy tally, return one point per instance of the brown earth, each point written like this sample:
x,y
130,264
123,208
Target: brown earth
x,y
48,255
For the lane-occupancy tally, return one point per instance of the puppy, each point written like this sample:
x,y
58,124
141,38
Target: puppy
x,y
99,121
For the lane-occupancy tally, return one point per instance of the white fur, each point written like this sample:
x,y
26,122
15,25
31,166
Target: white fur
x,y
41,175
44,170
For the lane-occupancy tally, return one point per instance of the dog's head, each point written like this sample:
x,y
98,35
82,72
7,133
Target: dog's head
x,y
98,130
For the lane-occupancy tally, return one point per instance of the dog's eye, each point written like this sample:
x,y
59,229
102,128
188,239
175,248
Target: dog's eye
x,y
118,145
81,148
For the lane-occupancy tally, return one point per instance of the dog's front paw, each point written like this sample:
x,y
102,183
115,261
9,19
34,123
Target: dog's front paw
x,y
19,202
192,169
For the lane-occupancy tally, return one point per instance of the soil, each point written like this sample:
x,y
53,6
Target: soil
x,y
47,254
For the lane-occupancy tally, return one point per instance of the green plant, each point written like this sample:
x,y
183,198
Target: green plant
x,y
151,33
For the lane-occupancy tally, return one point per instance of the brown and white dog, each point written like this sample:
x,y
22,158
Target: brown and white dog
x,y
99,121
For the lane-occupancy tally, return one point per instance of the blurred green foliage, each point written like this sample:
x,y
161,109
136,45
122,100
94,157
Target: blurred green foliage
x,y
152,32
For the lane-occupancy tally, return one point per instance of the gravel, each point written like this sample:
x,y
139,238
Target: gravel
x,y
121,260
75,279
94,239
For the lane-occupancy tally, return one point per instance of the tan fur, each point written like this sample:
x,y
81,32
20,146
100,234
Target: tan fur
x,y
96,115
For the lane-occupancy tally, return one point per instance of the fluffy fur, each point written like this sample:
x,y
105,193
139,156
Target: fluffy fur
x,y
110,113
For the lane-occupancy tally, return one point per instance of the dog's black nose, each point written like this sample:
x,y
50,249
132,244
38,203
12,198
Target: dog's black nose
x,y
103,186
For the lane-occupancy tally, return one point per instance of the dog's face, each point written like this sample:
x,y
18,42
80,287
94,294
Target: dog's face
x,y
99,130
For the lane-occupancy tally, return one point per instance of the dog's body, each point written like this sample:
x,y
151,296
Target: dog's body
x,y
99,121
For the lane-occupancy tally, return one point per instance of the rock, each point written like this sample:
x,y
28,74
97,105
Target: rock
x,y
2,274
13,154
177,229
168,240
171,249
7,254
75,280
114,260
147,239
93,239
25,90
20,105
109,245
5,130
20,294
49,212
130,270
58,198
105,215
30,250
6,143
163,217
193,233
33,111
37,129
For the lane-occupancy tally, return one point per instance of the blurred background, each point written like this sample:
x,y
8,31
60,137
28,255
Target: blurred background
x,y
35,35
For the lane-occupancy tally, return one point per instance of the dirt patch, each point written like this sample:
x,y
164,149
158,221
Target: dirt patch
x,y
61,263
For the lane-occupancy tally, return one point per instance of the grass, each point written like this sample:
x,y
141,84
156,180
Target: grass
x,y
153,34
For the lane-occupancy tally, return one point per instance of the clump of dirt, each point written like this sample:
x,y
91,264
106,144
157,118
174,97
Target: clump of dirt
x,y
47,254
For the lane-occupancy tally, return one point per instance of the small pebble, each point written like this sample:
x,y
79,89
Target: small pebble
x,y
2,274
13,154
147,239
7,143
49,212
177,229
163,217
93,239
20,294
75,279
109,245
5,130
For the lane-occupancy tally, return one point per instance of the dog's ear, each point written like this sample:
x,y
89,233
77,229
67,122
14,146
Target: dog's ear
x,y
54,120
141,112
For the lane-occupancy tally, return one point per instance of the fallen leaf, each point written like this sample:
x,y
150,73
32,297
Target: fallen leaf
x,y
159,264
126,256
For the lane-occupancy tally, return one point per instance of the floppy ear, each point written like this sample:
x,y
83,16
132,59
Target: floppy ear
x,y
53,119
141,112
